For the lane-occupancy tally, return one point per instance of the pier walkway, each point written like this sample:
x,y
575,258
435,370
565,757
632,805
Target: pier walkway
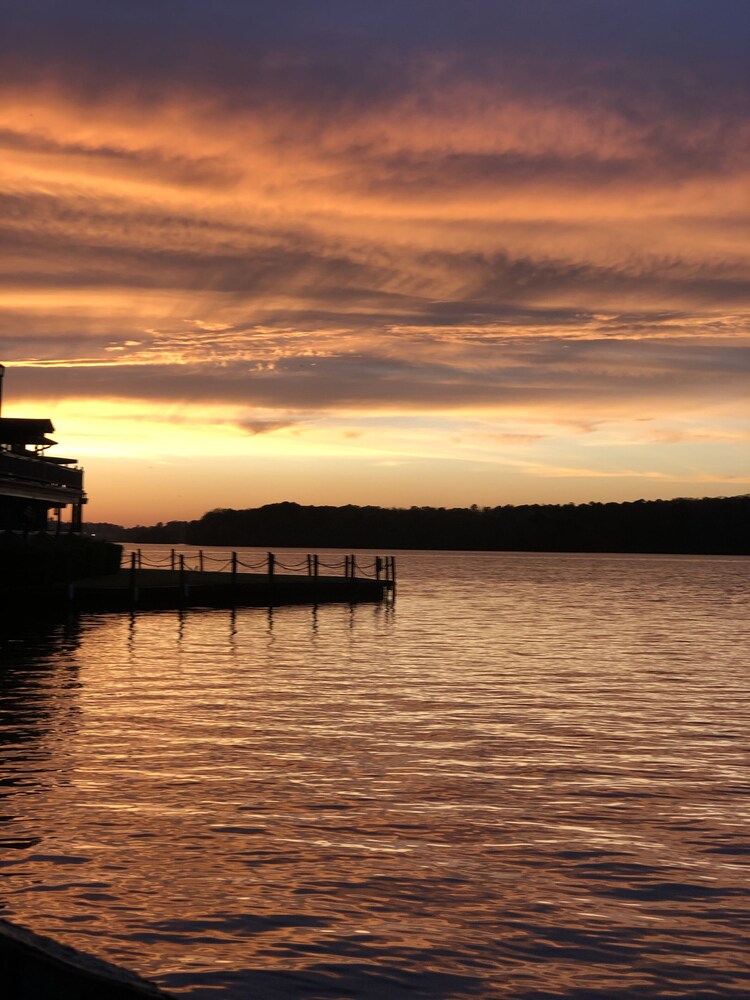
x,y
198,579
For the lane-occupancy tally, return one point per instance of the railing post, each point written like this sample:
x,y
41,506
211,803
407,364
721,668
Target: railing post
x,y
271,567
353,566
315,566
309,564
200,560
183,585
234,569
133,587
378,567
346,567
171,560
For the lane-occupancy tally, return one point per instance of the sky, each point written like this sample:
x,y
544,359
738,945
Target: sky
x,y
406,253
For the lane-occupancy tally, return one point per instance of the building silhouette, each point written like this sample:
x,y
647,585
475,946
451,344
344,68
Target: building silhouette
x,y
32,483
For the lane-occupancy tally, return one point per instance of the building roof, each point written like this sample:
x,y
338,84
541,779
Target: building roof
x,y
19,430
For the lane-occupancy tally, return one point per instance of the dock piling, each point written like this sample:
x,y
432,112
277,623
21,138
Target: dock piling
x,y
183,584
271,568
133,587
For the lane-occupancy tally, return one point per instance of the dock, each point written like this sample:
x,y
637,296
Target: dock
x,y
199,580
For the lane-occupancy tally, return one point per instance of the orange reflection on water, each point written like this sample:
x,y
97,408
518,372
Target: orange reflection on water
x,y
530,784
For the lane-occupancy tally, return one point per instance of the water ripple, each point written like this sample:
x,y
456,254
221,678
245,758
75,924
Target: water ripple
x,y
526,780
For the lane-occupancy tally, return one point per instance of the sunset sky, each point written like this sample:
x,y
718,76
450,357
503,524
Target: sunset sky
x,y
404,252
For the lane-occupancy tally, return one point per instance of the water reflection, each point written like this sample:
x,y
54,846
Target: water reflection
x,y
39,688
37,668
536,788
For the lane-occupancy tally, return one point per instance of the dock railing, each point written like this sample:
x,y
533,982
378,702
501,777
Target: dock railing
x,y
381,568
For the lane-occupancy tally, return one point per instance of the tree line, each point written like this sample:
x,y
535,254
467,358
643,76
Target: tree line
x,y
711,525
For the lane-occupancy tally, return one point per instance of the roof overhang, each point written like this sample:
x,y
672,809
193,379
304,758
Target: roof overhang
x,y
20,430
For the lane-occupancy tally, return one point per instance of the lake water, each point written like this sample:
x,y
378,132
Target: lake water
x,y
529,778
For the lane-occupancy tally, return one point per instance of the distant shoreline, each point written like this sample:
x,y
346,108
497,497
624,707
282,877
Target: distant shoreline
x,y
685,526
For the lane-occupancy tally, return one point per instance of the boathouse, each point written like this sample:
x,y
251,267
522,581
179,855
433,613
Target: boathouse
x,y
33,483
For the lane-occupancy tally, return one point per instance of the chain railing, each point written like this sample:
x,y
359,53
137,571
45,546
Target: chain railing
x,y
382,568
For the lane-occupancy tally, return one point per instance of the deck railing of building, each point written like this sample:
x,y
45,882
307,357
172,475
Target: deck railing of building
x,y
26,469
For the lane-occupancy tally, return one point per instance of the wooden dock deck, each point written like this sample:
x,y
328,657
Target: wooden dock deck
x,y
183,581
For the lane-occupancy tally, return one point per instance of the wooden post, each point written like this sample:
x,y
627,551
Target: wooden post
x,y
346,567
353,566
309,565
140,559
133,588
76,519
234,569
183,585
171,560
271,567
200,560
315,567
